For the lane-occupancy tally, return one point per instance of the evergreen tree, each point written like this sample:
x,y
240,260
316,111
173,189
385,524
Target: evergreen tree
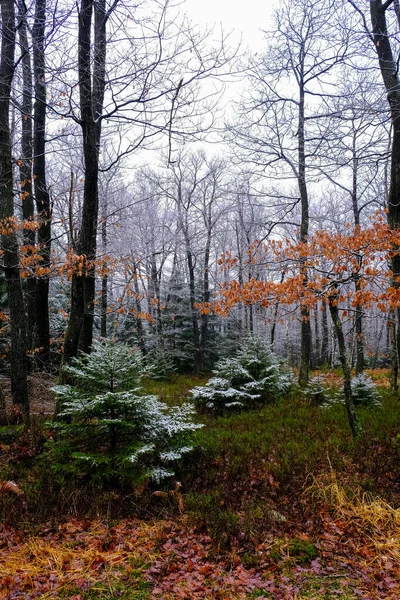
x,y
253,376
107,428
160,364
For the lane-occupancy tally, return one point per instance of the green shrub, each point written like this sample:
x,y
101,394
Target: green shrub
x,y
160,364
316,392
105,428
364,391
253,376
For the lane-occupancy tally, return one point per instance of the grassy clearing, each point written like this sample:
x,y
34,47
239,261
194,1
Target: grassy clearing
x,y
250,464
175,390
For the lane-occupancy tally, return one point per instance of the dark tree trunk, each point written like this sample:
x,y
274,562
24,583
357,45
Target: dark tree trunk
x,y
28,209
206,295
305,351
190,261
325,335
43,206
358,310
9,242
104,281
154,295
351,413
316,354
138,308
194,313
393,353
390,75
275,318
80,326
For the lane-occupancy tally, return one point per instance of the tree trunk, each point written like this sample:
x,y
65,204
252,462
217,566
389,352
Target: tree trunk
x,y
206,296
104,281
28,209
305,351
351,413
9,241
138,308
358,310
393,353
80,326
390,74
43,206
325,335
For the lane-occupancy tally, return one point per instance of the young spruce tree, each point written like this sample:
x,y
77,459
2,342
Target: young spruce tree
x,y
107,429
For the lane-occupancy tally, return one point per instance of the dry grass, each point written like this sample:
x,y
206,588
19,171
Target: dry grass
x,y
373,518
92,555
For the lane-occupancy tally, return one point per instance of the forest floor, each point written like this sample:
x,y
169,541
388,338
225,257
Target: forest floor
x,y
279,503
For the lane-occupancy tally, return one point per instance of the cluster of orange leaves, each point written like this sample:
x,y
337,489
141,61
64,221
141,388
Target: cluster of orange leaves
x,y
321,268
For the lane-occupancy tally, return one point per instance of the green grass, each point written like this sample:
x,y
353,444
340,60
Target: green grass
x,y
253,462
175,390
244,466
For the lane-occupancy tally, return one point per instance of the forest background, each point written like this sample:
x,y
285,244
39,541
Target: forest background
x,y
166,189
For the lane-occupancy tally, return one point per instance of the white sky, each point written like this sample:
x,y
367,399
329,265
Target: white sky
x,y
246,17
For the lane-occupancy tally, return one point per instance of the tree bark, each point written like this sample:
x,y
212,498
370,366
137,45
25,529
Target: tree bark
x,y
206,292
25,169
305,351
43,206
9,241
91,89
351,413
104,281
390,75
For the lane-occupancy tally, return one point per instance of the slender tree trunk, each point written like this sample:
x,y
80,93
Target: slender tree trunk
x,y
316,354
43,206
192,282
9,241
388,65
305,351
275,317
206,296
351,413
194,314
28,209
325,335
393,353
138,308
91,89
104,281
358,310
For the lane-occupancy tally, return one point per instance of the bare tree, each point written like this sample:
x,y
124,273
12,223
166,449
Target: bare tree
x,y
277,128
9,242
139,91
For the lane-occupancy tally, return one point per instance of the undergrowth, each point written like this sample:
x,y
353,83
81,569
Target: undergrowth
x,y
246,475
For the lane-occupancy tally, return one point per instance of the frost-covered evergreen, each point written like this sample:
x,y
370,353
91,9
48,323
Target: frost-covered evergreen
x,y
364,391
106,428
316,392
253,376
160,364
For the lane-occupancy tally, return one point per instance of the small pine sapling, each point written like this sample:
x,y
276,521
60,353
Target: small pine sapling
x,y
160,364
364,391
252,377
106,428
316,392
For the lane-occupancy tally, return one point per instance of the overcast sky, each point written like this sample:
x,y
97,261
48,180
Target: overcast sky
x,y
246,17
